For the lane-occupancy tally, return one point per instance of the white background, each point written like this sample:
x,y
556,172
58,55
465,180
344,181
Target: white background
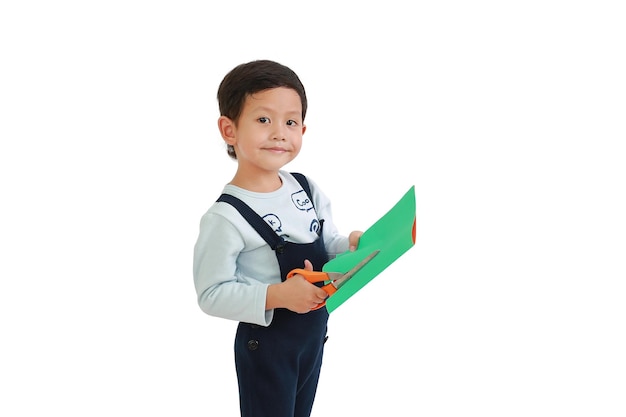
x,y
508,117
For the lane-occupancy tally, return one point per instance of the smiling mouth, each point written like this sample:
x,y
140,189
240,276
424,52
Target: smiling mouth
x,y
276,149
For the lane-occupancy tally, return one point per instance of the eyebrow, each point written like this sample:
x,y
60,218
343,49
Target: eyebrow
x,y
271,110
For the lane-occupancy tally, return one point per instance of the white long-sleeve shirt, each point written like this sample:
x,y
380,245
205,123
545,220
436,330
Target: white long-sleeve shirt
x,y
233,265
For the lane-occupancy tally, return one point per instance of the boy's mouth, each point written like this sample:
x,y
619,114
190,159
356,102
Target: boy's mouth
x,y
276,149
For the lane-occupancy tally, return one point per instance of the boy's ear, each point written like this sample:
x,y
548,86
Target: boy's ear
x,y
227,129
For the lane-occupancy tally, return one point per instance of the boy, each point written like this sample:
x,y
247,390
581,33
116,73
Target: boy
x,y
266,223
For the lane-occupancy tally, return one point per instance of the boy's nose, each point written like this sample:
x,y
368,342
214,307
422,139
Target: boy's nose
x,y
279,133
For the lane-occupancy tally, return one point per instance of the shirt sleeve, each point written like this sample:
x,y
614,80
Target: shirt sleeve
x,y
222,290
334,241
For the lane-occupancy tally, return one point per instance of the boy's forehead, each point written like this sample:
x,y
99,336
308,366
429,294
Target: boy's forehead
x,y
274,98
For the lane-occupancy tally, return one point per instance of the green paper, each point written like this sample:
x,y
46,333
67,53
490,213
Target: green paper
x,y
393,235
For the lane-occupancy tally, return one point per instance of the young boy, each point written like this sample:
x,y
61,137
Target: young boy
x,y
266,223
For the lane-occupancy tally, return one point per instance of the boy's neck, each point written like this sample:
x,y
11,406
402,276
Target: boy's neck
x,y
258,183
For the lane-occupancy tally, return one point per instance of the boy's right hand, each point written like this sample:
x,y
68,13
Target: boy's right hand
x,y
296,294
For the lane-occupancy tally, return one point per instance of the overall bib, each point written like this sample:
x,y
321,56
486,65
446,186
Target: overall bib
x,y
278,366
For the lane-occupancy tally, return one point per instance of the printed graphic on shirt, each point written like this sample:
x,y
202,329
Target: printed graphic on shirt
x,y
302,201
315,226
274,222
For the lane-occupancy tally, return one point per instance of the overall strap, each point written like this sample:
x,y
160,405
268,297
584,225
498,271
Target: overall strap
x,y
276,242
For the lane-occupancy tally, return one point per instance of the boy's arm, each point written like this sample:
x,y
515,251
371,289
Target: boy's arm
x,y
335,242
220,291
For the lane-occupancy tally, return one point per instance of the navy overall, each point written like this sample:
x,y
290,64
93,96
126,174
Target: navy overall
x,y
278,366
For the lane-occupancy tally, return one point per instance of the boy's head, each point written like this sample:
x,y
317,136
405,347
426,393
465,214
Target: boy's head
x,y
250,78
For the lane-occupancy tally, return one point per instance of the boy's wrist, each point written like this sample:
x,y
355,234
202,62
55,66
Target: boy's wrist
x,y
272,296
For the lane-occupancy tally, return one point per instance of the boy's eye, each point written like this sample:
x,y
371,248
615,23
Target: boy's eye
x,y
264,120
291,123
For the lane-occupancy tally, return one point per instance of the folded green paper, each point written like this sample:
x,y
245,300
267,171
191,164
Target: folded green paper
x,y
392,235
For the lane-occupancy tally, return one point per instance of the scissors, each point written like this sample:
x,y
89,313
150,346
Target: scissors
x,y
336,279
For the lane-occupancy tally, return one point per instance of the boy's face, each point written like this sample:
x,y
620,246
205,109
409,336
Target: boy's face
x,y
269,132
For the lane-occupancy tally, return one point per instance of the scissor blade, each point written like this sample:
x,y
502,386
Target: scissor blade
x,y
339,282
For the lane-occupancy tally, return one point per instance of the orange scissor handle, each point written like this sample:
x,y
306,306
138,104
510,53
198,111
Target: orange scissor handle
x,y
313,277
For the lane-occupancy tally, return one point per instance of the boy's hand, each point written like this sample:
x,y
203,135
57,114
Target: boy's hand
x,y
296,294
353,239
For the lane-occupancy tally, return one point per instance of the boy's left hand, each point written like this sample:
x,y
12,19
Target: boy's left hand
x,y
353,240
